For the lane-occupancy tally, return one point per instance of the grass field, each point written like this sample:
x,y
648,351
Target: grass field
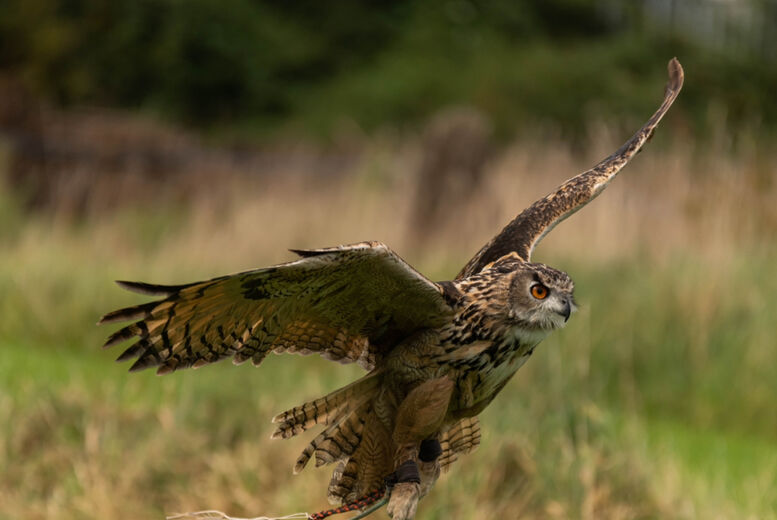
x,y
656,401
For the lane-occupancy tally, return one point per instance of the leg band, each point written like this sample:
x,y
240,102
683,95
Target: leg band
x,y
406,472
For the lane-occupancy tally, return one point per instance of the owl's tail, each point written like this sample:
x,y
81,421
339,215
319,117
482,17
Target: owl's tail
x,y
357,437
331,409
353,436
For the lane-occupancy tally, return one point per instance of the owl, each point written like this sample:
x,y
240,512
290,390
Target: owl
x,y
435,353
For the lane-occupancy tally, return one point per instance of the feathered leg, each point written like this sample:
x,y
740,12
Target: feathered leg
x,y
420,417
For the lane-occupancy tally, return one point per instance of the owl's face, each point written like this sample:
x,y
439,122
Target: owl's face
x,y
541,298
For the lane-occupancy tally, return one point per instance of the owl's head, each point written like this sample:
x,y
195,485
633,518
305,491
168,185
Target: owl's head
x,y
540,297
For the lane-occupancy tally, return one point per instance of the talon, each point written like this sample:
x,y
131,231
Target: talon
x,y
404,501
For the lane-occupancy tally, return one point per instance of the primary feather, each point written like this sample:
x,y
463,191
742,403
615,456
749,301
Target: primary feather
x,y
437,353
347,304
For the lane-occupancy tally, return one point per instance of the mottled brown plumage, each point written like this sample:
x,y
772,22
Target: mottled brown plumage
x,y
532,224
436,353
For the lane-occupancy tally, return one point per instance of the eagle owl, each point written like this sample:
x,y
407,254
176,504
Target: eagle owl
x,y
436,353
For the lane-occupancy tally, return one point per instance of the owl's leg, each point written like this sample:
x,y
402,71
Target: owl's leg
x,y
419,418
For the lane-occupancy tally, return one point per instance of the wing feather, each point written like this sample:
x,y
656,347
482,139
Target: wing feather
x,y
462,437
348,304
530,226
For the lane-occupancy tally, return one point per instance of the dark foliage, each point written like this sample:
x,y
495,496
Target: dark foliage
x,y
264,63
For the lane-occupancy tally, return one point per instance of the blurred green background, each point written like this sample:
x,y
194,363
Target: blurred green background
x,y
305,65
171,140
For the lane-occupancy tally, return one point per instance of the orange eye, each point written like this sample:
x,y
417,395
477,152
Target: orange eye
x,y
539,291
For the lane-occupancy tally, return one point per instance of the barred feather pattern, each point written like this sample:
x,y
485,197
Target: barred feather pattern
x,y
463,437
344,481
367,467
337,441
329,409
527,229
347,304
347,478
437,353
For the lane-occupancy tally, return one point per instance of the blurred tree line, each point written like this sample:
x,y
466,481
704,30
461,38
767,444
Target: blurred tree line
x,y
308,64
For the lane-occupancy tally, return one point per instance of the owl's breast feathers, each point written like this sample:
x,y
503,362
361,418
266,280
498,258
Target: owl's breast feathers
x,y
480,348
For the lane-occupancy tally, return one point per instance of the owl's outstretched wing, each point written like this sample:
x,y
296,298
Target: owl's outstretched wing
x,y
349,304
533,223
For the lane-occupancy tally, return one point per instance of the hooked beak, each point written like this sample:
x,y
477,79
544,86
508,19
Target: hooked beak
x,y
566,310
